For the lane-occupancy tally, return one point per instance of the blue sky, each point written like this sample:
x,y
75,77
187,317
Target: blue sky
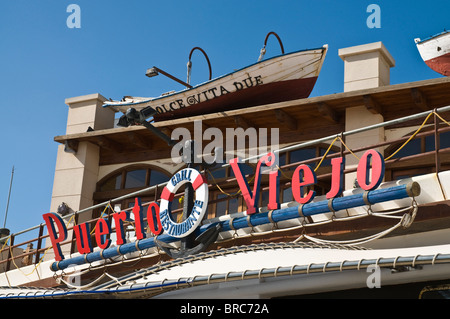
x,y
43,62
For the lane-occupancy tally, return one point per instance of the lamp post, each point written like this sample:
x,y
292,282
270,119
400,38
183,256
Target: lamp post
x,y
154,71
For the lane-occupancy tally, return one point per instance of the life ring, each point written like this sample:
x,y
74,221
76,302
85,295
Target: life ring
x,y
183,229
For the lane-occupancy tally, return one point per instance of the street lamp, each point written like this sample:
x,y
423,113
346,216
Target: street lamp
x,y
154,71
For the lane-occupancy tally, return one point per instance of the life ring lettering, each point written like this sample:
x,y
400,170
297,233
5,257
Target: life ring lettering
x,y
183,229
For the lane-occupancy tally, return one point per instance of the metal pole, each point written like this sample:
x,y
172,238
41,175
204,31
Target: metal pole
x,y
9,195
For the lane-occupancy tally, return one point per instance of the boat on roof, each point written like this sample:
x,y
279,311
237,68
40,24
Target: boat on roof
x,y
435,52
285,77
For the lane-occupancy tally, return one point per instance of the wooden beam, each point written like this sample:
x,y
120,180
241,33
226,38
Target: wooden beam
x,y
104,142
420,99
327,112
371,105
109,157
139,141
242,122
286,119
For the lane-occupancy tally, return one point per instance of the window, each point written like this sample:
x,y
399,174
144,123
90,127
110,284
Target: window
x,y
113,183
420,151
136,178
128,179
305,154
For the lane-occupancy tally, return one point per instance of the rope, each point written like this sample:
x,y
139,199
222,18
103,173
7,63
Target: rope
x,y
411,137
325,155
431,288
435,113
348,149
85,286
405,221
101,215
221,190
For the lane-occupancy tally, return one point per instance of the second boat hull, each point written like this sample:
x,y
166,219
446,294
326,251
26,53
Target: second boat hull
x,y
435,52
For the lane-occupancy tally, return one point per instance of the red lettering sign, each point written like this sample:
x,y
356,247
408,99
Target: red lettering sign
x,y
252,198
303,176
50,220
370,179
83,238
102,229
119,218
153,219
138,218
337,177
370,173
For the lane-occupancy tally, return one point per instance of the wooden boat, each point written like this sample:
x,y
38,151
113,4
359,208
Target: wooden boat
x,y
435,52
280,78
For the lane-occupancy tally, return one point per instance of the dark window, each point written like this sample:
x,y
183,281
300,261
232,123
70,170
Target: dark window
x,y
157,178
112,183
136,178
133,178
302,155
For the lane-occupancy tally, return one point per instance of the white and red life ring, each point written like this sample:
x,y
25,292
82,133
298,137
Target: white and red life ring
x,y
180,230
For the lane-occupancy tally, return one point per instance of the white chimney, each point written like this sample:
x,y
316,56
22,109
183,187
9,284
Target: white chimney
x,y
366,66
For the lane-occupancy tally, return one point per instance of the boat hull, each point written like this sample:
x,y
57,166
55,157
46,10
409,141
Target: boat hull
x,y
253,96
282,78
435,52
440,64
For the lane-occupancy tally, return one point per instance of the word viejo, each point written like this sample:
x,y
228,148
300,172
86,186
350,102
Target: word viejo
x,y
370,173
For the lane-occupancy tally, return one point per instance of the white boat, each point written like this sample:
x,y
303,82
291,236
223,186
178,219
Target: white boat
x,y
280,78
435,52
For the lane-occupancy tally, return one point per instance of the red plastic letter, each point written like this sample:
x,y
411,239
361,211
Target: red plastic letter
x,y
102,229
153,218
337,177
138,218
303,176
50,220
274,187
83,237
252,198
363,173
119,218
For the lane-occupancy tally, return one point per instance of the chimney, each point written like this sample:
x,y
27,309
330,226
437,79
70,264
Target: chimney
x,y
366,66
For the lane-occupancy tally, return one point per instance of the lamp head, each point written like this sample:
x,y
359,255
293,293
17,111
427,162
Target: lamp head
x,y
151,72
